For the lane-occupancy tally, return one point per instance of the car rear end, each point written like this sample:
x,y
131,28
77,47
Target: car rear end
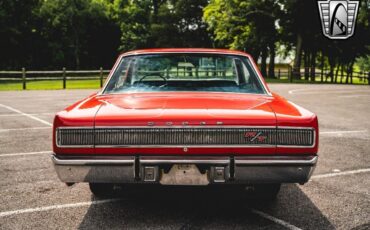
x,y
185,138
222,154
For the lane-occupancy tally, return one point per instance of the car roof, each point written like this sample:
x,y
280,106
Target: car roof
x,y
185,50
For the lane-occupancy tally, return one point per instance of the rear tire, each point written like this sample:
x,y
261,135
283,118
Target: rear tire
x,y
267,191
101,189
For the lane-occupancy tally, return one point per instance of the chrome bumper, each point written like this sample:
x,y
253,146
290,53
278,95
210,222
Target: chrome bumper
x,y
234,170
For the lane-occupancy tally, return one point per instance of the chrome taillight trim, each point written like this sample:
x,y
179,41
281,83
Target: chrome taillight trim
x,y
312,137
57,137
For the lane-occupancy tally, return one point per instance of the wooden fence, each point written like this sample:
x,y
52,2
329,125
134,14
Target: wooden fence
x,y
321,75
63,75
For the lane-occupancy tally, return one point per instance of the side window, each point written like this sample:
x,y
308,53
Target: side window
x,y
119,75
247,75
240,71
251,76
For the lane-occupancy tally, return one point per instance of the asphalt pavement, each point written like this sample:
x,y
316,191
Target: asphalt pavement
x,y
337,197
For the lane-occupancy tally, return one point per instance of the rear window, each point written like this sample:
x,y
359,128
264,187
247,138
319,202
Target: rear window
x,y
185,72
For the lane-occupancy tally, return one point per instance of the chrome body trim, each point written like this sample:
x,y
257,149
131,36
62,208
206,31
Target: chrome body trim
x,y
95,170
312,160
184,146
187,146
71,146
247,169
298,146
184,160
72,161
187,126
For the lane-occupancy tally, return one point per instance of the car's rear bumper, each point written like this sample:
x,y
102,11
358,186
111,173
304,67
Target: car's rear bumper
x,y
219,170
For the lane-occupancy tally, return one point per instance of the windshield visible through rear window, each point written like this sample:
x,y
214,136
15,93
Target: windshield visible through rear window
x,y
184,72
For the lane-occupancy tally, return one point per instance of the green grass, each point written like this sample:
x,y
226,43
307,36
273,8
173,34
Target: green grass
x,y
50,84
95,84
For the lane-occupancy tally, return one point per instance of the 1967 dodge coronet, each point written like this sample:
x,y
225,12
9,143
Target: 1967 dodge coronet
x,y
185,117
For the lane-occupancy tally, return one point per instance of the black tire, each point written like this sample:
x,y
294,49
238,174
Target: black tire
x,y
267,191
102,189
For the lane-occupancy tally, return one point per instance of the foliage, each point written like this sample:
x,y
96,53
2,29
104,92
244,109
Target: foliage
x,y
80,34
17,32
364,63
245,25
132,17
178,23
257,26
74,27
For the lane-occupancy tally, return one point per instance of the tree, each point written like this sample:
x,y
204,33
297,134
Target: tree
x,y
249,26
74,29
17,33
179,23
301,29
78,34
364,63
133,19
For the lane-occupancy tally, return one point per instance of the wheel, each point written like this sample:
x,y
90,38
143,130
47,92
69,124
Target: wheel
x,y
267,191
101,189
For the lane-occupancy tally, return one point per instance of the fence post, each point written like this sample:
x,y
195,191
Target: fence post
x,y
101,77
64,78
278,73
322,74
368,78
364,77
24,78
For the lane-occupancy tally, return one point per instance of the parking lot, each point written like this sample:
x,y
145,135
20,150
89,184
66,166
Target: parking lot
x,y
337,197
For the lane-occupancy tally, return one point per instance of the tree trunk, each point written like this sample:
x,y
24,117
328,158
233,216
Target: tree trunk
x,y
313,66
298,55
331,74
271,72
347,74
322,67
255,54
76,38
332,65
263,62
76,52
336,73
350,69
306,59
155,11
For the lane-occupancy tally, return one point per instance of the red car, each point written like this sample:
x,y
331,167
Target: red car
x,y
185,117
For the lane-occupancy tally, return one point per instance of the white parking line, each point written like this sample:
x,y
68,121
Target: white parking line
x,y
17,114
356,95
21,129
296,90
24,154
342,132
53,207
26,114
323,91
275,220
326,175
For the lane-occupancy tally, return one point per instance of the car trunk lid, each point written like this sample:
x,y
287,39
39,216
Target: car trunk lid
x,y
186,110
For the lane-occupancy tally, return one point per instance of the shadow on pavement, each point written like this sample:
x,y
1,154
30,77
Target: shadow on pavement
x,y
203,208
